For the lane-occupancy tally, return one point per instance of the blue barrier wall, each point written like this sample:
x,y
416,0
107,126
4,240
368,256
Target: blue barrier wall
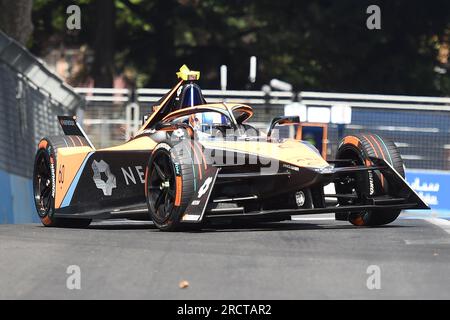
x,y
16,199
16,196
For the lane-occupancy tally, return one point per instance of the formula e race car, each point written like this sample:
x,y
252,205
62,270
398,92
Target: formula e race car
x,y
192,162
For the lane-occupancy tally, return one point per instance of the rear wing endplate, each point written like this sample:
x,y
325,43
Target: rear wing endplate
x,y
71,127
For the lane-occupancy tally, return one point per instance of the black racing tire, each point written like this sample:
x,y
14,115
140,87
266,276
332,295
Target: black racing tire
x,y
172,174
359,147
44,181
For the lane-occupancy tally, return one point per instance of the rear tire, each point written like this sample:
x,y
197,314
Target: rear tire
x,y
359,148
44,182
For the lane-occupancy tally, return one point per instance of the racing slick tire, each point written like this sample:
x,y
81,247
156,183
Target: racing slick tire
x,y
359,147
44,180
171,175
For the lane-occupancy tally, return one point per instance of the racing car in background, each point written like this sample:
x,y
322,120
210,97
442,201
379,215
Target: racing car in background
x,y
192,161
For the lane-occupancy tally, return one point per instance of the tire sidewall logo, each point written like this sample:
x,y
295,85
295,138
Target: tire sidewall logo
x,y
371,184
51,157
53,175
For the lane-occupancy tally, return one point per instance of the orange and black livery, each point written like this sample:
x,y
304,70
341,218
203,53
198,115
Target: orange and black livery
x,y
193,161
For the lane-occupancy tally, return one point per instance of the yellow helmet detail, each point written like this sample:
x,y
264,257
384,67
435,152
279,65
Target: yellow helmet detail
x,y
186,74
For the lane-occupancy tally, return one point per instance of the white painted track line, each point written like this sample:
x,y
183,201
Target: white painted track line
x,y
441,223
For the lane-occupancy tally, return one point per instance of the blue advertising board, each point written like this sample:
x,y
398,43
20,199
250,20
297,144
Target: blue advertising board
x,y
433,187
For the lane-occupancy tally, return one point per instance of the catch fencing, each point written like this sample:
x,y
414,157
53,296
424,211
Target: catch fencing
x,y
31,97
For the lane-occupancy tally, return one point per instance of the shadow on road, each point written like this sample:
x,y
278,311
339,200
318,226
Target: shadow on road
x,y
123,225
240,226
281,226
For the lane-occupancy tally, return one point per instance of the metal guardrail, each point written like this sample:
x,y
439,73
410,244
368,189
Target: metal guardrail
x,y
217,96
375,101
104,94
151,95
145,95
379,97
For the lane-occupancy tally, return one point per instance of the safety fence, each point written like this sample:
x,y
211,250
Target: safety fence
x,y
30,99
418,125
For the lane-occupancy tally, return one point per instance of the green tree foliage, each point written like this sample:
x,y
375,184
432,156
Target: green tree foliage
x,y
316,45
15,19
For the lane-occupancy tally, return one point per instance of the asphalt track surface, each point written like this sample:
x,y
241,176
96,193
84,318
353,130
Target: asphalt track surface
x,y
315,257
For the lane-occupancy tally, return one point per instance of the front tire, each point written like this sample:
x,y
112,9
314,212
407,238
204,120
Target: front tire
x,y
171,177
359,148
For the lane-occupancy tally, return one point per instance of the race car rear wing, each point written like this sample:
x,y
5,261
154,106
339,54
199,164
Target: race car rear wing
x,y
71,127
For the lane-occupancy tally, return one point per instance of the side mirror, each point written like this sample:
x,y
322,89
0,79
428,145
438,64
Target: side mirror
x,y
282,121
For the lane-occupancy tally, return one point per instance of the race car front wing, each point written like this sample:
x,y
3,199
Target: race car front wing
x,y
244,194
